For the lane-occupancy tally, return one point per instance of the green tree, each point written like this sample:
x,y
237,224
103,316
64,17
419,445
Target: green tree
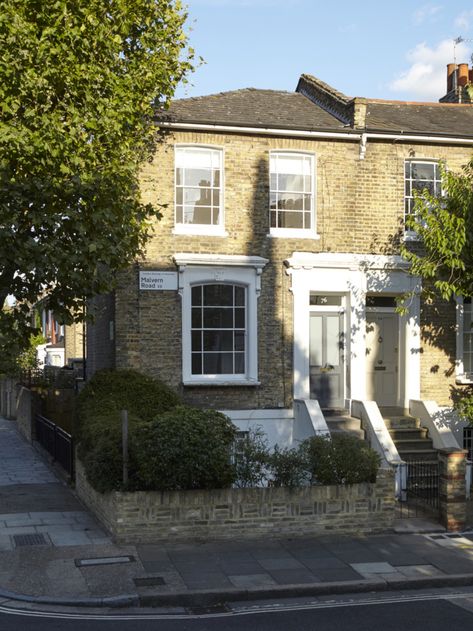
x,y
444,225
80,81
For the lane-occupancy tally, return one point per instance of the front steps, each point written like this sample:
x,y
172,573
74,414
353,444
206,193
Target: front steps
x,y
412,441
339,422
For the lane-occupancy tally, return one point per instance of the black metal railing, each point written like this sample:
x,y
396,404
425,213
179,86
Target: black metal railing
x,y
57,442
421,493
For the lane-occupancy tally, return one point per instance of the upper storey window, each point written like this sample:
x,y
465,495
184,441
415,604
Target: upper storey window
x,y
199,176
420,176
292,211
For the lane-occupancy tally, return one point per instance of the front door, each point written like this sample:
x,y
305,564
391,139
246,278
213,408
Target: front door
x,y
382,358
327,359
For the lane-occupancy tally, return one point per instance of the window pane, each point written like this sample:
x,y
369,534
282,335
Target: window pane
x,y
196,341
218,363
196,364
239,363
216,179
178,214
239,295
220,295
197,295
239,318
423,171
291,220
273,219
333,340
288,201
215,318
291,183
239,340
196,318
315,352
218,340
197,177
420,186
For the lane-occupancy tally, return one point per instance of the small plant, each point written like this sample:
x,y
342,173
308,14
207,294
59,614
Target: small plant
x,y
251,459
342,460
289,467
464,405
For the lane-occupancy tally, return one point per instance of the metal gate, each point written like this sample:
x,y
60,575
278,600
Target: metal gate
x,y
419,490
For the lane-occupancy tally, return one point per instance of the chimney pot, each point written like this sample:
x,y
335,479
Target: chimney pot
x,y
462,74
451,68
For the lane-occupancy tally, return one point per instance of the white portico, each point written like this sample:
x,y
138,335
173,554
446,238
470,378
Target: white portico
x,y
349,341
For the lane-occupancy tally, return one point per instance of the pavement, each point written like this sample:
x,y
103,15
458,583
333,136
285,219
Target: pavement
x,y
53,551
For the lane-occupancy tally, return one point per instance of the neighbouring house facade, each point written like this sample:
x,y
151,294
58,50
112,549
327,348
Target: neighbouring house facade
x,y
64,344
273,274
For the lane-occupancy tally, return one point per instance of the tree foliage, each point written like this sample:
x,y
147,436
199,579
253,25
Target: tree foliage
x,y
444,226
79,83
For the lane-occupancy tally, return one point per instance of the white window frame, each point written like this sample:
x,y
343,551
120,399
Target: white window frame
x,y
201,269
217,229
296,233
461,375
411,235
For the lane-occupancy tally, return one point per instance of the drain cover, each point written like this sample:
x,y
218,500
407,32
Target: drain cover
x,y
103,561
149,581
37,539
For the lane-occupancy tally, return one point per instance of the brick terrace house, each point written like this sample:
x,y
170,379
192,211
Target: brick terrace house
x,y
273,275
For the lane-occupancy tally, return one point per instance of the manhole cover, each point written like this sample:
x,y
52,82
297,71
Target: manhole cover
x,y
149,581
37,539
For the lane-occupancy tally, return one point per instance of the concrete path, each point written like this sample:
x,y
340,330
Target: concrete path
x,y
52,550
34,501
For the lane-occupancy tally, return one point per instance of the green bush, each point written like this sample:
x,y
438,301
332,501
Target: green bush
x,y
464,405
115,390
186,448
98,422
289,467
251,459
343,460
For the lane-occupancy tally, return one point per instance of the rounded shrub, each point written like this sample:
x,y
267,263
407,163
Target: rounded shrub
x,y
98,422
344,459
186,448
115,390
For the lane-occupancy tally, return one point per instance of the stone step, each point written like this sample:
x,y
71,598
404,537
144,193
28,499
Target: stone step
x,y
401,422
408,433
412,444
424,455
343,422
345,425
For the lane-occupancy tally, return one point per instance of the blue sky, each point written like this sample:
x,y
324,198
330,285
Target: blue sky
x,y
391,50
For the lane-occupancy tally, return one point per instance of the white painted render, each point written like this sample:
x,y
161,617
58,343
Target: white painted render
x,y
353,276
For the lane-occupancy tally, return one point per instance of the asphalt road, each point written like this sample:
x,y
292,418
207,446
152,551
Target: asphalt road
x,y
434,615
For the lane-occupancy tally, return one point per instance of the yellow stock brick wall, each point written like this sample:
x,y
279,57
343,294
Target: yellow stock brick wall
x,y
359,209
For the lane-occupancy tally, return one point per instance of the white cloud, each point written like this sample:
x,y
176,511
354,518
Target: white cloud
x,y
463,21
426,78
426,12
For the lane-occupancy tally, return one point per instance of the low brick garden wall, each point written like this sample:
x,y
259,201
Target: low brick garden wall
x,y
143,517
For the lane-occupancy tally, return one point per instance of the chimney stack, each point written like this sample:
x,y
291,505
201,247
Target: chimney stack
x,y
459,78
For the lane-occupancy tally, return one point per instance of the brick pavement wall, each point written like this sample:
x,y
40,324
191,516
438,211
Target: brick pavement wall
x,y
359,209
142,517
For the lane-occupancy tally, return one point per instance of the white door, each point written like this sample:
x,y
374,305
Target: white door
x,y
327,359
382,358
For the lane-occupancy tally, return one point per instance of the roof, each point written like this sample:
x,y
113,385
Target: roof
x,y
316,106
254,108
422,118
